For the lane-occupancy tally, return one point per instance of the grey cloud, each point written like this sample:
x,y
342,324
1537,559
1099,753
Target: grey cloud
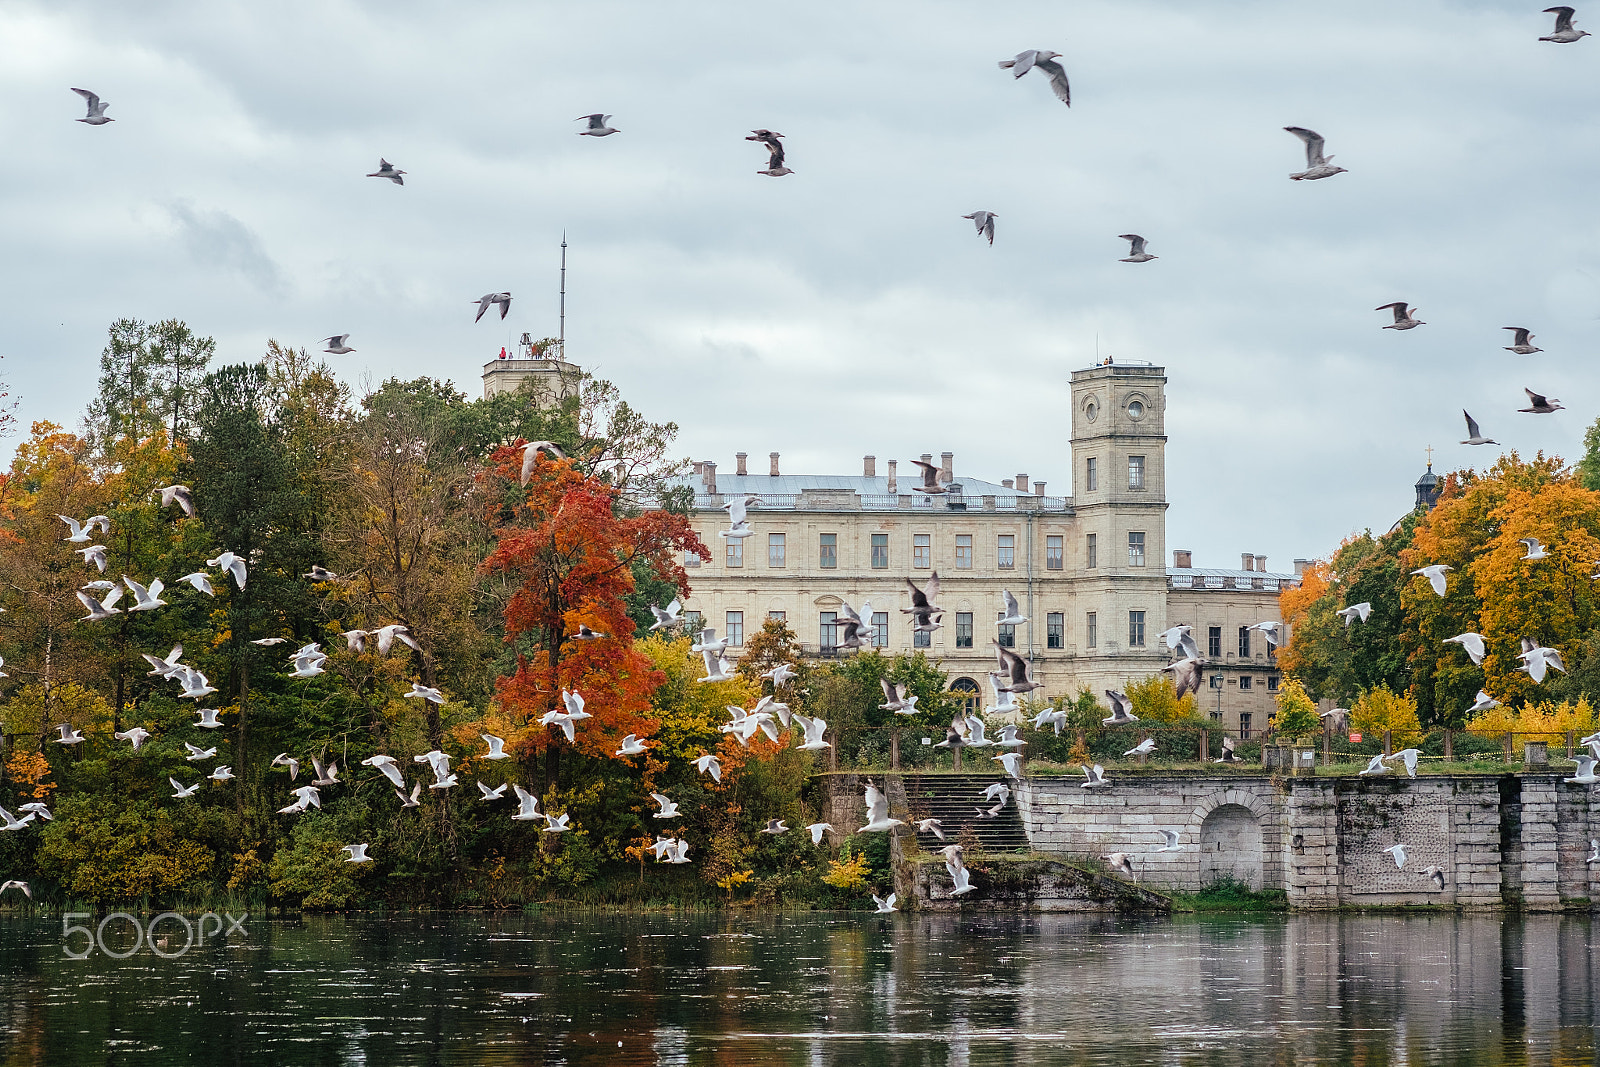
x,y
217,239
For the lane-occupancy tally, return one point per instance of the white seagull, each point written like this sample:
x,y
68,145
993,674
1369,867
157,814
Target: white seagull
x,y
1532,547
144,599
1437,874
233,564
1409,755
96,115
1136,254
1354,613
358,853
201,582
1121,863
1172,844
496,747
183,790
138,735
102,609
492,794
1375,765
222,774
816,830
1143,748
1045,61
774,826
670,615
885,904
781,674
1541,405
179,495
1483,702
597,125
423,692
814,728
208,718
1012,762
530,454
1435,573
336,344
1472,643
488,300
1564,34
632,746
69,736
527,805
709,764
1403,319
15,884
878,812
282,759
1475,435
1585,773
388,170
1096,776
897,699
1317,164
1520,343
984,221
1121,710
1013,615
1398,851
667,809
387,766
12,822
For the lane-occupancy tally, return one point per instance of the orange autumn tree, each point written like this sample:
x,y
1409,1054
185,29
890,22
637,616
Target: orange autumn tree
x,y
571,546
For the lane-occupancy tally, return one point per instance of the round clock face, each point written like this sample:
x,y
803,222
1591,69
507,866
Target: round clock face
x,y
1135,409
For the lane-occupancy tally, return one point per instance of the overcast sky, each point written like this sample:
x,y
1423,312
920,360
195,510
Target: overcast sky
x,y
848,309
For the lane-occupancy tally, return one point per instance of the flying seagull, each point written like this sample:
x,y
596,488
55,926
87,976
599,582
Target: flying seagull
x,y
597,125
1272,631
984,221
1437,874
1539,405
97,107
632,746
1434,572
670,615
1121,710
14,884
1533,547
1472,643
1521,338
878,812
896,698
925,614
358,853
496,747
1398,851
1375,765
1483,702
531,450
817,828
82,532
201,582
1354,612
183,790
775,826
1409,755
1122,864
1143,748
775,164
487,300
423,692
1096,776
932,826
932,478
233,564
1228,753
336,344
885,904
780,674
103,609
1016,669
388,170
1317,165
527,805
1475,435
69,736
1172,844
1403,319
1045,61
1013,614
95,554
709,764
1564,34
179,495
668,809
1585,773
1136,254
492,794
1012,762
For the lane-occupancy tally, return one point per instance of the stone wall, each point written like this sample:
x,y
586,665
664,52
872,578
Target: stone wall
x,y
1503,840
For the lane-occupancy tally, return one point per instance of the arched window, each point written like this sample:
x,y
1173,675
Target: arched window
x,y
969,692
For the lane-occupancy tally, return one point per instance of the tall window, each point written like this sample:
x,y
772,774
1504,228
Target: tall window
x,y
1091,630
1008,635
1214,642
880,629
922,550
1091,550
1135,629
735,630
1135,549
1135,472
778,616
736,552
1245,682
963,552
691,558
1272,683
1244,641
921,639
775,550
1055,630
696,621
827,632
963,629
880,552
1091,475
1007,553
966,691
828,551
1244,726
1052,552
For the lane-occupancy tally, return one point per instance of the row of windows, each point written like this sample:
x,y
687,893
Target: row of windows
x,y
922,551
1091,473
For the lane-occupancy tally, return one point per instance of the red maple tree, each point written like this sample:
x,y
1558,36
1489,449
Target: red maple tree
x,y
572,549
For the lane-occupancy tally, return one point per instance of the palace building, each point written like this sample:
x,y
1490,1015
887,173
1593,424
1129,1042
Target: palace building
x,y
1087,570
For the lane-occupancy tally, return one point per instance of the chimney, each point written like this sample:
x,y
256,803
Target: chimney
x,y
947,467
711,477
1007,483
700,469
739,458
869,466
894,481
1261,564
1300,566
1022,483
1038,489
1247,562
774,457
1182,558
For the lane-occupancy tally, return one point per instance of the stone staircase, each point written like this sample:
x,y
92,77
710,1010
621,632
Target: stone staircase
x,y
954,800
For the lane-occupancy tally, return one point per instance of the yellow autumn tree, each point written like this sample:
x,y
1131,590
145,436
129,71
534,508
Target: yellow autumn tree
x,y
1381,709
1155,699
1297,712
1545,720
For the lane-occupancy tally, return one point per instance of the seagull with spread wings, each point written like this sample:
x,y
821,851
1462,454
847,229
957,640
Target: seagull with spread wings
x,y
1044,61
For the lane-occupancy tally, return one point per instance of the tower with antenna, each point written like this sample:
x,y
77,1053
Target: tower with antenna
x,y
540,367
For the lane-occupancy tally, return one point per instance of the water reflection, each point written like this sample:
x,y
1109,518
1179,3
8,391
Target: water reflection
x,y
943,991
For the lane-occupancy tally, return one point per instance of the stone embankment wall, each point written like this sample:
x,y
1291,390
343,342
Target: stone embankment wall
x,y
1502,840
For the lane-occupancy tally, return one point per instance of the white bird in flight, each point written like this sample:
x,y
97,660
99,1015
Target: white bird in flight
x,y
1521,342
82,533
179,495
1172,844
95,554
1564,34
1435,573
1046,63
1532,548
488,300
423,692
492,794
1354,613
817,829
496,747
358,853
885,904
597,125
1398,851
138,735
388,170
1475,435
984,221
144,598
1317,164
1403,319
666,808
878,812
183,790
1136,253
709,764
336,344
102,609
387,766
1472,643
96,107
632,746
1538,404
527,805
233,565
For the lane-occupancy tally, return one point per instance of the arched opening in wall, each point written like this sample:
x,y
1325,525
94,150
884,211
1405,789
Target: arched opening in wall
x,y
969,693
1231,847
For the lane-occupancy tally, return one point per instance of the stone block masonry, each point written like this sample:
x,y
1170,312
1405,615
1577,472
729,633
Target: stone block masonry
x,y
1514,840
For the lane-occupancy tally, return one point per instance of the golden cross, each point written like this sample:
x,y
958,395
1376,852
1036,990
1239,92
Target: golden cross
x,y
1430,455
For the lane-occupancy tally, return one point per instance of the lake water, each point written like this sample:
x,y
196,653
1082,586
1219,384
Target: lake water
x,y
978,988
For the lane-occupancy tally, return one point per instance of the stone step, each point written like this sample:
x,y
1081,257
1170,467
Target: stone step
x,y
954,799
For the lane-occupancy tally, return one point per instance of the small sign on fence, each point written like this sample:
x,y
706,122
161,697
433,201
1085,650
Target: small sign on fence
x,y
927,740
1355,739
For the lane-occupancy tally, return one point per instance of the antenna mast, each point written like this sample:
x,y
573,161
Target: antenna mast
x,y
563,336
